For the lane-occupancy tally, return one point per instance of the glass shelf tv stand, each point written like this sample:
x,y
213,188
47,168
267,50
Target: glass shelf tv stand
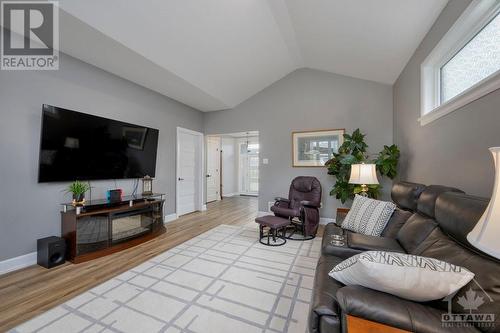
x,y
100,227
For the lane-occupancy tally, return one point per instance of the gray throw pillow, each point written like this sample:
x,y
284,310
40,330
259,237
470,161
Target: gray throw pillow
x,y
368,216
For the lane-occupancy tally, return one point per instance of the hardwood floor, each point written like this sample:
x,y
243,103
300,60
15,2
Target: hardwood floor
x,y
26,293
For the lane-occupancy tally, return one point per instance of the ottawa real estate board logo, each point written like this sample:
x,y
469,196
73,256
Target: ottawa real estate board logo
x,y
30,35
472,314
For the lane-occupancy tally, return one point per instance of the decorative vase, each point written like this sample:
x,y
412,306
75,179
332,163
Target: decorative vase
x,y
78,199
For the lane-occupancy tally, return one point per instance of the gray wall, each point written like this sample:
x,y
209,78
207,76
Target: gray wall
x,y
454,149
29,210
306,100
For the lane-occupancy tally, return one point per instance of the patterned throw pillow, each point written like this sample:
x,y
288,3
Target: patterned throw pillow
x,y
368,216
407,276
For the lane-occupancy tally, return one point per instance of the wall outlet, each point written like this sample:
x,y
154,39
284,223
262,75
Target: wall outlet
x,y
265,161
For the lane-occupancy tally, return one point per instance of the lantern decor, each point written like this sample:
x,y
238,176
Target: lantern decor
x,y
147,185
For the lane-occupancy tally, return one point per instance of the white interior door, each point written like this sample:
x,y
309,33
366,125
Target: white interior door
x,y
189,172
213,168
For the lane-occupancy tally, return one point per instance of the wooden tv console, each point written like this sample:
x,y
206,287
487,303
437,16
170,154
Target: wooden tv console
x,y
100,228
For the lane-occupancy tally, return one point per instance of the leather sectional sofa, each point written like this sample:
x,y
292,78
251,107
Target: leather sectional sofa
x,y
430,221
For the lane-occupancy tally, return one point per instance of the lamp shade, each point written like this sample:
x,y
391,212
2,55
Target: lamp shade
x,y
364,174
485,234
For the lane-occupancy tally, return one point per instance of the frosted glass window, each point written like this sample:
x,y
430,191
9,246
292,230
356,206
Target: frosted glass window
x,y
477,60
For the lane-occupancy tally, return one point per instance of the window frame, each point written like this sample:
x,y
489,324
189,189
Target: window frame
x,y
476,16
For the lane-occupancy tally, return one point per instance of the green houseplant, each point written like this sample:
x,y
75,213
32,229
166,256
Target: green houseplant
x,y
78,189
354,151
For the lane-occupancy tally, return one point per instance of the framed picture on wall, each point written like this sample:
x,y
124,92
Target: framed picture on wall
x,y
314,148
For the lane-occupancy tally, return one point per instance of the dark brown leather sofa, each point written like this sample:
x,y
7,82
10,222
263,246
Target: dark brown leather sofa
x,y
433,221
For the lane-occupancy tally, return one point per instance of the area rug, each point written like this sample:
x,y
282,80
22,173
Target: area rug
x,y
221,281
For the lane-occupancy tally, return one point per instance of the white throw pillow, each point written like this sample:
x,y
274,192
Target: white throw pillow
x,y
368,216
408,276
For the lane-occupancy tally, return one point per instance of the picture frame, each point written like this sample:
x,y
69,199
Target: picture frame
x,y
314,148
135,136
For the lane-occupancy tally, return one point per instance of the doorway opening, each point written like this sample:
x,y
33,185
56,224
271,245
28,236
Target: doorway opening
x,y
248,166
232,161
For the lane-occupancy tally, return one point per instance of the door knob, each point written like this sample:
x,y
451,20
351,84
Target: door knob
x,y
208,176
181,178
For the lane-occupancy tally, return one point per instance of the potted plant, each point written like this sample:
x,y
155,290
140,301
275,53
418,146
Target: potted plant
x,y
353,151
78,189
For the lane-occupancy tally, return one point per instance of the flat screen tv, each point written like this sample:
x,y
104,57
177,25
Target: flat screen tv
x,y
79,146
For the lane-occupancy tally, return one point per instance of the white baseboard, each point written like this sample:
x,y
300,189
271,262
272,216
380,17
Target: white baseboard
x,y
16,263
325,220
170,218
231,194
203,208
322,220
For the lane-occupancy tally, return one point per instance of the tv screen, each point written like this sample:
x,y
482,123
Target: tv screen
x,y
79,146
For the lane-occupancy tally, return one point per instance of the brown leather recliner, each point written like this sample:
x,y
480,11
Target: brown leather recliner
x,y
302,206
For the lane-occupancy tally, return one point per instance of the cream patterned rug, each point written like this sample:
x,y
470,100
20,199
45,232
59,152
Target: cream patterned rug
x,y
221,281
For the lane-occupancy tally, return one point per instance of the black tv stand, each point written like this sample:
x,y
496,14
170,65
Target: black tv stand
x,y
100,227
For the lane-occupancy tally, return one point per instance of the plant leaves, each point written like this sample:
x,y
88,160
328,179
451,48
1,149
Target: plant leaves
x,y
353,151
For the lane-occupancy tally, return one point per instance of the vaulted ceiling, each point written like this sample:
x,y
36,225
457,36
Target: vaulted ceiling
x,y
215,54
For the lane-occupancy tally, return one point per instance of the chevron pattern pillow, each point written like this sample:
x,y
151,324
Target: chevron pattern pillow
x,y
407,276
368,216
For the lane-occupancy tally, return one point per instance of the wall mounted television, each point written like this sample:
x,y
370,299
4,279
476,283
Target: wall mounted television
x,y
79,146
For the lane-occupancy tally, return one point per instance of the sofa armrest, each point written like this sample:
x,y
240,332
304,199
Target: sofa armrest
x,y
393,311
280,199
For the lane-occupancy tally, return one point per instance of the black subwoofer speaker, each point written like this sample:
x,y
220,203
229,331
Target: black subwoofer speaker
x,y
51,251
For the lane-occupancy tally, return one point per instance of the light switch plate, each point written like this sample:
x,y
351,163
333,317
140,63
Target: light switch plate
x,y
265,161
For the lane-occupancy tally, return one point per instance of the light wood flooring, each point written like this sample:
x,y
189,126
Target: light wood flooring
x,y
29,292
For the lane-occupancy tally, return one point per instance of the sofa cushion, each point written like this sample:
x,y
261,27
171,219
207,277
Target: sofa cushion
x,y
406,194
372,243
324,310
426,204
368,216
396,222
458,213
486,283
415,231
393,311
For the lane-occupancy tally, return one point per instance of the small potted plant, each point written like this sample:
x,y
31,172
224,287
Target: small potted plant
x,y
78,189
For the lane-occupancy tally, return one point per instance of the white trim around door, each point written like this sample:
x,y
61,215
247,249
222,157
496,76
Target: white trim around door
x,y
199,170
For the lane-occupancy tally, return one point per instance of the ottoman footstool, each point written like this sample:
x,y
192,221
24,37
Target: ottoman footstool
x,y
275,224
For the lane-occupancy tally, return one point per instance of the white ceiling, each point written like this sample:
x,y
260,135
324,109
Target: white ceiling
x,y
213,55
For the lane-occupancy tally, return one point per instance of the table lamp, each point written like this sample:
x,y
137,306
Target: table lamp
x,y
364,175
485,234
